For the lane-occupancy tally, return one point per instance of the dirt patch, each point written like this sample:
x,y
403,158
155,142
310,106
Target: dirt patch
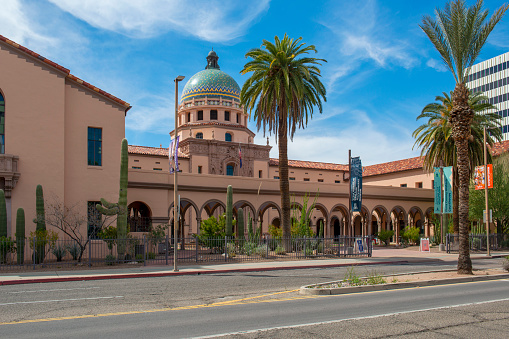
x,y
441,275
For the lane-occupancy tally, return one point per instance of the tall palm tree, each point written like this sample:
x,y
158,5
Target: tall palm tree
x,y
283,90
459,33
434,137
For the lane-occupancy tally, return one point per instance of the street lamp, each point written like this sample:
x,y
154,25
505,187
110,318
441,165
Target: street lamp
x,y
175,187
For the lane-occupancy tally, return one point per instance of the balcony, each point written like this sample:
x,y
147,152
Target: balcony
x,y
9,172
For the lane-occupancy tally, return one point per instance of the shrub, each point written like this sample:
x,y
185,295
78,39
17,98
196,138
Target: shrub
x,y
505,264
261,250
7,245
59,252
74,250
275,232
385,236
110,259
280,250
42,238
109,236
231,249
375,279
249,248
505,243
212,233
411,234
151,255
139,257
351,278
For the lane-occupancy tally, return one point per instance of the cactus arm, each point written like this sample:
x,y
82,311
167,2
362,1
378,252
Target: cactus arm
x,y
107,211
108,204
39,206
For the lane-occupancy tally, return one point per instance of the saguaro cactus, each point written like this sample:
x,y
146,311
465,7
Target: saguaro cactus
x,y
20,235
240,224
3,215
119,208
229,211
39,209
250,232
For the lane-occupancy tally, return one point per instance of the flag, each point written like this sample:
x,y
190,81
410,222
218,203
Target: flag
x,y
173,155
240,156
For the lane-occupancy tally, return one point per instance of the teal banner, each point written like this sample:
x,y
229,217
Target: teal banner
x,y
447,189
437,186
356,185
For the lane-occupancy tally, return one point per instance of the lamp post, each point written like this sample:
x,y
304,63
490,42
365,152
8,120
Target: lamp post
x,y
486,196
176,209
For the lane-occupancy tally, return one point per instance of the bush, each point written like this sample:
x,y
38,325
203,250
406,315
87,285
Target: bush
x,y
59,252
231,249
110,259
249,248
7,245
139,257
261,250
505,264
151,255
385,236
280,250
74,250
109,236
212,233
411,234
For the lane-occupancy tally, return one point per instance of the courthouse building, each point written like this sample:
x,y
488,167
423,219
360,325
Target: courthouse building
x,y
64,133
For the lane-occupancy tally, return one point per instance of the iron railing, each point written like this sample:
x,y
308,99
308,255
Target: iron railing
x,y
33,253
477,242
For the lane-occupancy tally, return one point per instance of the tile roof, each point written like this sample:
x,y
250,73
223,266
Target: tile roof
x,y
65,70
311,165
393,166
500,148
212,123
146,150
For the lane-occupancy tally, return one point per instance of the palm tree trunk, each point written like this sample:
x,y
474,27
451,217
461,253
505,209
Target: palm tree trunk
x,y
461,120
284,184
455,201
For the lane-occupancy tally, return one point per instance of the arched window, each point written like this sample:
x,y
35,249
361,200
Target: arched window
x,y
2,124
213,114
228,137
229,170
199,135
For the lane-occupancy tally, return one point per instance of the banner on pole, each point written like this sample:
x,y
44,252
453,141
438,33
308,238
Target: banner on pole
x,y
437,186
448,189
356,184
479,177
173,155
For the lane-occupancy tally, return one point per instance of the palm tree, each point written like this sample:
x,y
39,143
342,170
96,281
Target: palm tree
x,y
437,146
283,90
459,33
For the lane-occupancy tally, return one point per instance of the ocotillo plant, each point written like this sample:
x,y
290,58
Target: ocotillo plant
x,y
229,211
119,208
240,224
20,235
3,215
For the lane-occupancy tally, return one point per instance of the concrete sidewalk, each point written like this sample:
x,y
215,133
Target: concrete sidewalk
x,y
380,256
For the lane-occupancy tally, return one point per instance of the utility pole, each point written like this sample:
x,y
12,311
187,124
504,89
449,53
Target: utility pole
x,y
350,214
176,202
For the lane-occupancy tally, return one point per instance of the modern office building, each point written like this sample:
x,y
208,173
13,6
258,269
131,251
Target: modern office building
x,y
491,78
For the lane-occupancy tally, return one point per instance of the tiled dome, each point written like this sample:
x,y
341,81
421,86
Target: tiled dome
x,y
211,82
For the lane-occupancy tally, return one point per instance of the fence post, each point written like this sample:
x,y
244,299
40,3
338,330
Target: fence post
x,y
305,254
166,245
89,251
225,248
196,248
267,248
144,250
33,252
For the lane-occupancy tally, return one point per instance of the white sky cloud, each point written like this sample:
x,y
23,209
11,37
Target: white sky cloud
x,y
437,65
213,20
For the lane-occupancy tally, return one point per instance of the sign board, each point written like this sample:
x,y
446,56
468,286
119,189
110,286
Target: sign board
x,y
484,216
356,184
360,245
479,177
447,189
424,245
437,186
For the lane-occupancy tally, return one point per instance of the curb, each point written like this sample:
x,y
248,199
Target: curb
x,y
306,290
179,273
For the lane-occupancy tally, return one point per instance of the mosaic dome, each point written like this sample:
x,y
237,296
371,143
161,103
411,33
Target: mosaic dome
x,y
211,82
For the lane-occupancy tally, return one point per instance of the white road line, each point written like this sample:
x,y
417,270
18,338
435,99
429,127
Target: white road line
x,y
60,300
356,318
57,289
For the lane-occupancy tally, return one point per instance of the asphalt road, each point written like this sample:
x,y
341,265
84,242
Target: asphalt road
x,y
82,299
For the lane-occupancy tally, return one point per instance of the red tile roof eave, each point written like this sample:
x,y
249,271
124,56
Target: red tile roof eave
x,y
151,151
66,71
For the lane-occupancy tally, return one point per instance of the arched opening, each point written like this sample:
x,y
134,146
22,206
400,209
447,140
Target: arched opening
x,y
230,169
199,135
139,217
336,227
227,137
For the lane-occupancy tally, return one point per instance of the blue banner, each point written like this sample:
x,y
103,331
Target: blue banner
x,y
447,189
356,184
437,186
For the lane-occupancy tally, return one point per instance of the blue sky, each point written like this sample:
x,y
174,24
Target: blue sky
x,y
381,68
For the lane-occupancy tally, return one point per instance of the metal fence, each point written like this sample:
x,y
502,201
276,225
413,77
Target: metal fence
x,y
477,242
33,253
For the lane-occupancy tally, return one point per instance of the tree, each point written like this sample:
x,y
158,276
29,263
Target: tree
x,y
459,33
434,137
283,90
498,197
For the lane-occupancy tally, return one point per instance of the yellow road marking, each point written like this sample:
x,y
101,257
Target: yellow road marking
x,y
250,300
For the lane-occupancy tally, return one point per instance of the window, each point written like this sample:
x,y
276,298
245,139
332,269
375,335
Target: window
x,y
238,118
136,160
158,162
259,173
213,114
199,169
418,185
94,146
402,185
200,115
199,135
2,124
291,178
337,181
276,177
94,219
157,169
227,137
136,167
306,179
320,180
226,116
188,117
229,170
